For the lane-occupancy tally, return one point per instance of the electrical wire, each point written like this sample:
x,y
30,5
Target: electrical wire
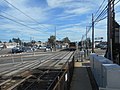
x,y
20,23
117,2
11,16
16,21
104,10
25,14
100,7
102,14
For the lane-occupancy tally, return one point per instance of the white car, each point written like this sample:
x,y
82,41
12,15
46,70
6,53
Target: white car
x,y
45,48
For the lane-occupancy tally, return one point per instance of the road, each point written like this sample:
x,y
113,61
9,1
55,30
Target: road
x,y
23,57
100,51
5,51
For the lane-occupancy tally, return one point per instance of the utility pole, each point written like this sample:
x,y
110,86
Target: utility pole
x,y
82,42
110,21
86,44
92,33
86,37
55,38
30,39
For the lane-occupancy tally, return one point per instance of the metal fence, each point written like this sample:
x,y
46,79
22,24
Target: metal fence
x,y
65,80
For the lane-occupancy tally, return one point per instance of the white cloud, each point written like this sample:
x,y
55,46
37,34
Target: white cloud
x,y
67,13
17,3
14,29
35,12
72,31
78,11
57,3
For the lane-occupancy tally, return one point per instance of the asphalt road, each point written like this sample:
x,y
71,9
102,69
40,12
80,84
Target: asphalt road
x,y
13,58
5,51
100,51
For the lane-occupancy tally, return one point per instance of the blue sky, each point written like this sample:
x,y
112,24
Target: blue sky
x,y
70,17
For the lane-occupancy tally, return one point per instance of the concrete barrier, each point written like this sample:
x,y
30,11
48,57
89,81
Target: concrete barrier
x,y
106,74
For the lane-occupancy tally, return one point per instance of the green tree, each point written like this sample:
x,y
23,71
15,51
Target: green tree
x,y
51,40
39,41
33,41
10,41
66,40
17,40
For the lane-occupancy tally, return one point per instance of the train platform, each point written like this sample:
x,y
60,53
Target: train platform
x,y
80,79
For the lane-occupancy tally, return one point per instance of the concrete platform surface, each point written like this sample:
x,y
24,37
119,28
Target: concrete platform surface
x,y
80,80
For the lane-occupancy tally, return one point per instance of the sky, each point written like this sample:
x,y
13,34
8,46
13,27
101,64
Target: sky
x,y
41,18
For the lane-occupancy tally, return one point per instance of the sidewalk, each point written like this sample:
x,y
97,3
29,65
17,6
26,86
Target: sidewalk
x,y
80,80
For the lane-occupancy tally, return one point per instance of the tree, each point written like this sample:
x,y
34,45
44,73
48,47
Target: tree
x,y
10,41
0,41
33,41
39,41
66,40
17,40
51,40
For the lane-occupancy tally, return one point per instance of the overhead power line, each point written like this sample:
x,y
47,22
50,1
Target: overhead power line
x,y
103,12
20,23
16,21
25,14
102,15
99,7
117,2
11,16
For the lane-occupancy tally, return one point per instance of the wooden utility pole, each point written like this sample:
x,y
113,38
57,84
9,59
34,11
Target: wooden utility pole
x,y
86,38
82,42
92,33
86,42
110,22
55,38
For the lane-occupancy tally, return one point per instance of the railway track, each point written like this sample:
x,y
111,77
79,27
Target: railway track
x,y
47,63
46,74
22,66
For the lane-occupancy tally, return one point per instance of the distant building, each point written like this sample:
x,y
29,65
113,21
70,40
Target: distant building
x,y
8,45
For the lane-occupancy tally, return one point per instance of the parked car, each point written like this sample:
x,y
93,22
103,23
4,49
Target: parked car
x,y
28,49
104,47
1,47
48,48
45,48
17,49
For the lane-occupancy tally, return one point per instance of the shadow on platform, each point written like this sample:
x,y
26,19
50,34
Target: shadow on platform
x,y
82,78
